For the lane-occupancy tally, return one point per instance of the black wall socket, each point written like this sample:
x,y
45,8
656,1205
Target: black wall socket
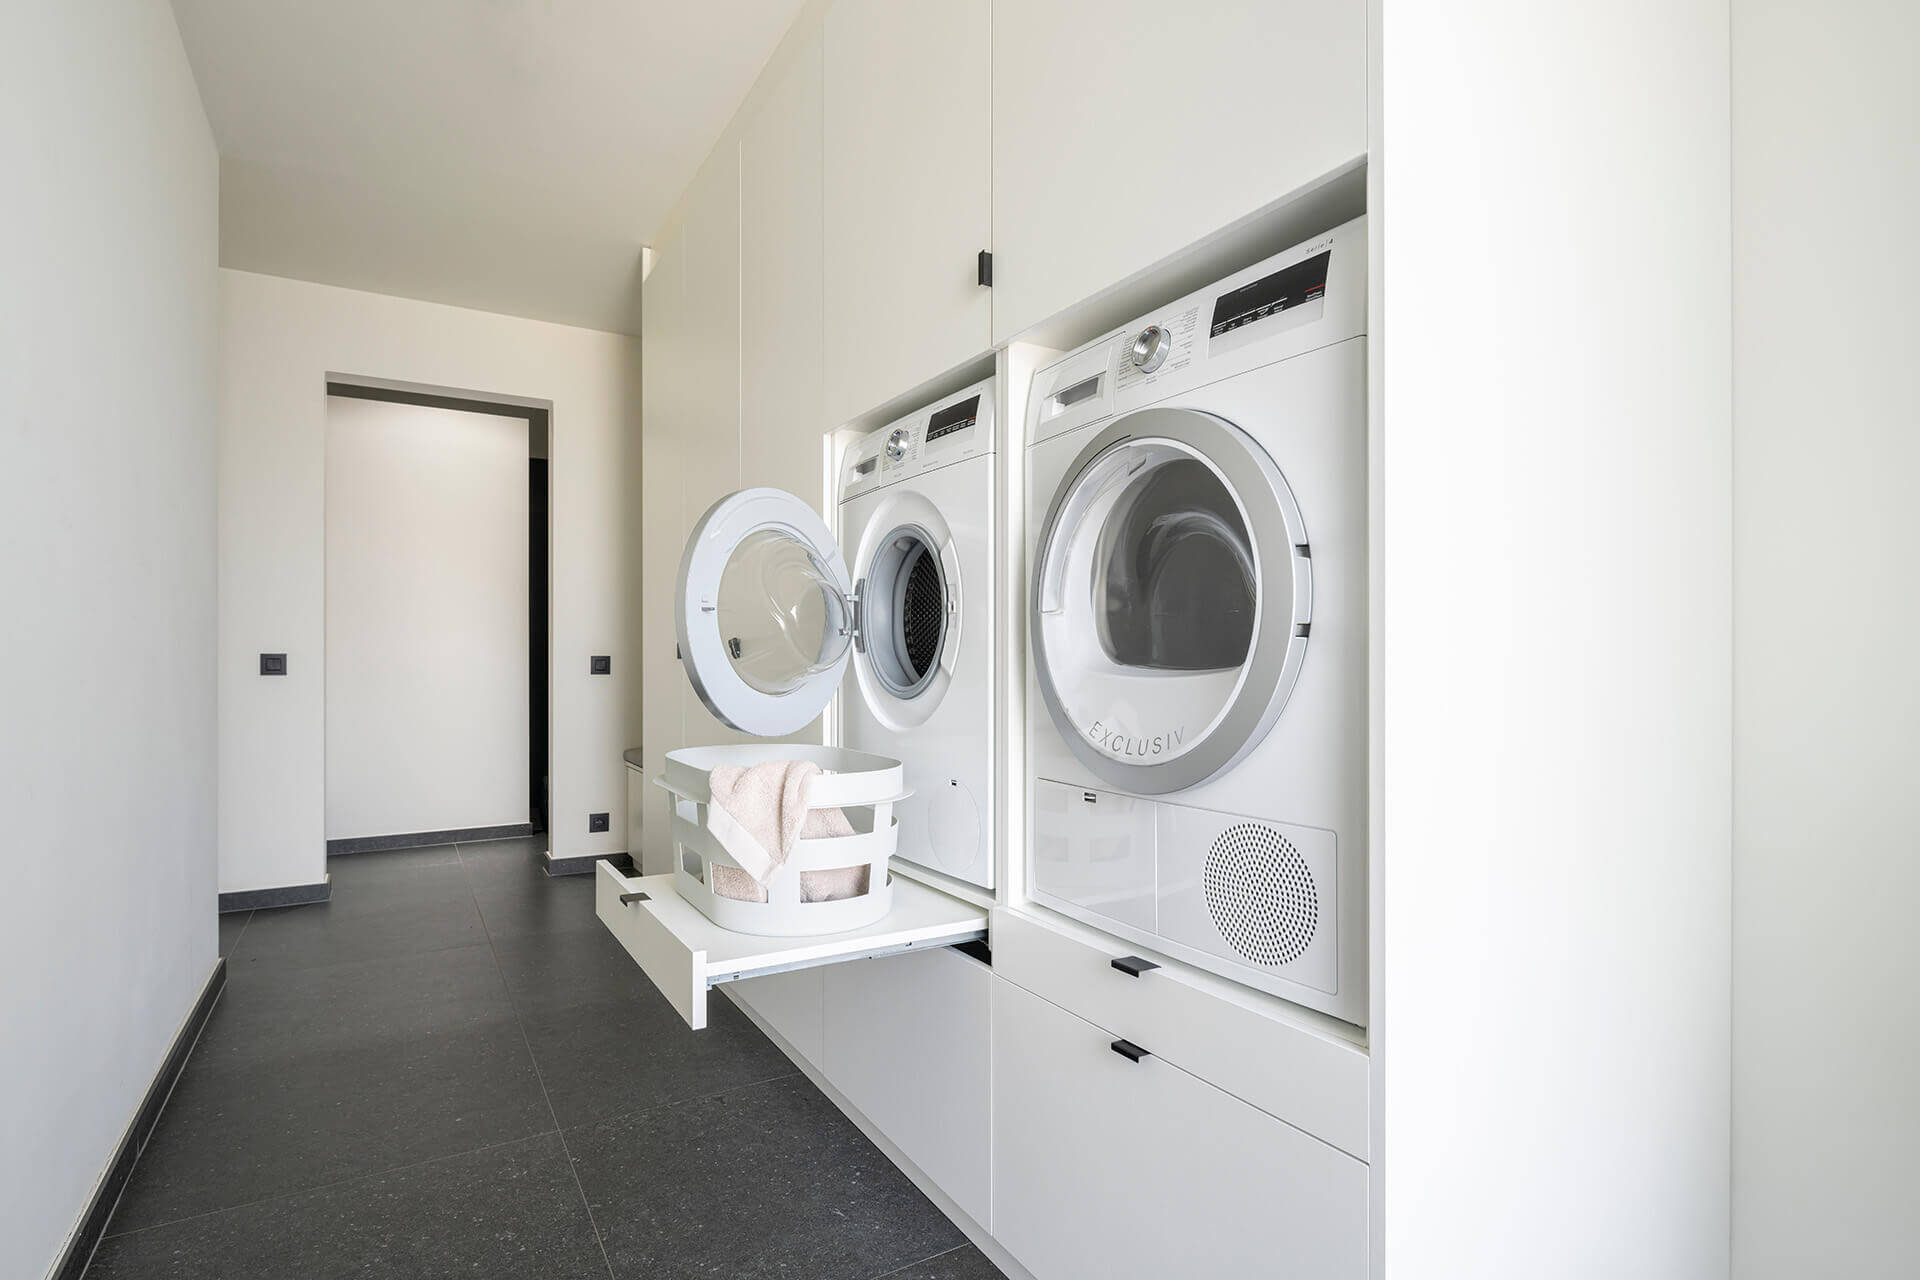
x,y
598,821
600,664
273,664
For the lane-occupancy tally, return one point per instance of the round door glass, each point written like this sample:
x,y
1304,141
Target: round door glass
x,y
906,612
1149,601
1173,572
781,616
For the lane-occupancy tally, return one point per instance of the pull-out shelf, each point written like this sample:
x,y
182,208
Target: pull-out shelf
x,y
686,954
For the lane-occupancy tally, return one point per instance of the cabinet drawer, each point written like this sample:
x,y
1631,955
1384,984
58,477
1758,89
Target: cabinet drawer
x,y
1236,1039
1108,1167
686,954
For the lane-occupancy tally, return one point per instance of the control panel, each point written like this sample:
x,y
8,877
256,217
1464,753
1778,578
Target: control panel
x,y
1310,296
957,427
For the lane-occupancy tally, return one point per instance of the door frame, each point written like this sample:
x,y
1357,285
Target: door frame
x,y
538,414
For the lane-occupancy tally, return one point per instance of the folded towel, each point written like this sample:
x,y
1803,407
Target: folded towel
x,y
758,812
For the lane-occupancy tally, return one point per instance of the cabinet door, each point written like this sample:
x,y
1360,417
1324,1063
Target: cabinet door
x,y
709,351
906,1042
782,261
781,273
1124,130
907,210
1112,1168
662,529
790,1003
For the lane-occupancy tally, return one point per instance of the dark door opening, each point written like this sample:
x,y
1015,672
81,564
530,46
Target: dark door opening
x,y
537,640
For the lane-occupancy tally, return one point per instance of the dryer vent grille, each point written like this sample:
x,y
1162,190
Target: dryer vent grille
x,y
1261,895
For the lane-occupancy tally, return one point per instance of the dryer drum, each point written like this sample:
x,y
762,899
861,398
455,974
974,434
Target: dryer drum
x,y
906,623
1177,591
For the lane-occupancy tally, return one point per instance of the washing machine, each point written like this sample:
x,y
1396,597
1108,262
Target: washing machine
x,y
771,616
916,504
1197,594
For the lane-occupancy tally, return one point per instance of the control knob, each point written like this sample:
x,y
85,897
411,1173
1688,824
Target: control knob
x,y
1151,347
897,443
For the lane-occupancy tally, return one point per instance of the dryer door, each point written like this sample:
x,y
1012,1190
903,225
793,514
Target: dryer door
x,y
1171,599
764,612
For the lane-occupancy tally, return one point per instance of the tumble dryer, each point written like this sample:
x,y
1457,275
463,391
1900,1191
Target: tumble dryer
x,y
770,616
1197,561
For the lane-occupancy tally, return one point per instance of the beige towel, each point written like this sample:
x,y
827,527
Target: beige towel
x,y
757,813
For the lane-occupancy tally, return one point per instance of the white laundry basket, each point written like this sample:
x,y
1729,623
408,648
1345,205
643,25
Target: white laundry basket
x,y
864,786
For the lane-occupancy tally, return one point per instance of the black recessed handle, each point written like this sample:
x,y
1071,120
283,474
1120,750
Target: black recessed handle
x,y
984,268
1132,966
628,899
1129,1050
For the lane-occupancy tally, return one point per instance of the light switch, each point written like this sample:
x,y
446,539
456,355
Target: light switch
x,y
273,664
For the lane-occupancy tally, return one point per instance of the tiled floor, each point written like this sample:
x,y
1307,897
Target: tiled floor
x,y
453,1070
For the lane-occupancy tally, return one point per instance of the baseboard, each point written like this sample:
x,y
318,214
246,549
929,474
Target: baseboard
x,y
981,1238
416,839
583,866
286,895
99,1210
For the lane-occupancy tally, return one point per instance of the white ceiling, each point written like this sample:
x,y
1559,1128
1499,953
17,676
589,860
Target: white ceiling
x,y
510,155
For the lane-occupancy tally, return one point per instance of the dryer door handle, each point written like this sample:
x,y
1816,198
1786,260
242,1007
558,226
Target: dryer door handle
x,y
1132,966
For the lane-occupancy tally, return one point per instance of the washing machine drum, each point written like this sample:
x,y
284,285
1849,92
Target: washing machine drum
x,y
1172,599
904,630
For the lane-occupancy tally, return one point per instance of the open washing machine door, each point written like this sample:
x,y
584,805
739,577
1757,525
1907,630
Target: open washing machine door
x,y
765,612
1172,599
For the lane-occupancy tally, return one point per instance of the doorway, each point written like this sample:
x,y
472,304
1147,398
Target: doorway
x,y
539,782
438,617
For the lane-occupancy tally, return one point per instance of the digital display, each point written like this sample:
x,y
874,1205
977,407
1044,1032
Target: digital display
x,y
955,417
1284,290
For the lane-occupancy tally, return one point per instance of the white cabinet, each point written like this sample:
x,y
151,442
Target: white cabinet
x,y
708,382
790,1003
1124,130
906,1042
907,210
662,529
1307,1075
782,347
1113,1168
781,269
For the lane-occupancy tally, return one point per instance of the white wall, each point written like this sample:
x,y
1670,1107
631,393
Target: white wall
x,y
1827,608
427,612
280,339
107,519
1554,354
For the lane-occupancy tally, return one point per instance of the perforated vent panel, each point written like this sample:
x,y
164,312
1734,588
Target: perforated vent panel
x,y
1261,895
923,607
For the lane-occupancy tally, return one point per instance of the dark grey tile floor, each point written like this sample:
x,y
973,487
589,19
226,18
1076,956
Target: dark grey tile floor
x,y
451,1069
